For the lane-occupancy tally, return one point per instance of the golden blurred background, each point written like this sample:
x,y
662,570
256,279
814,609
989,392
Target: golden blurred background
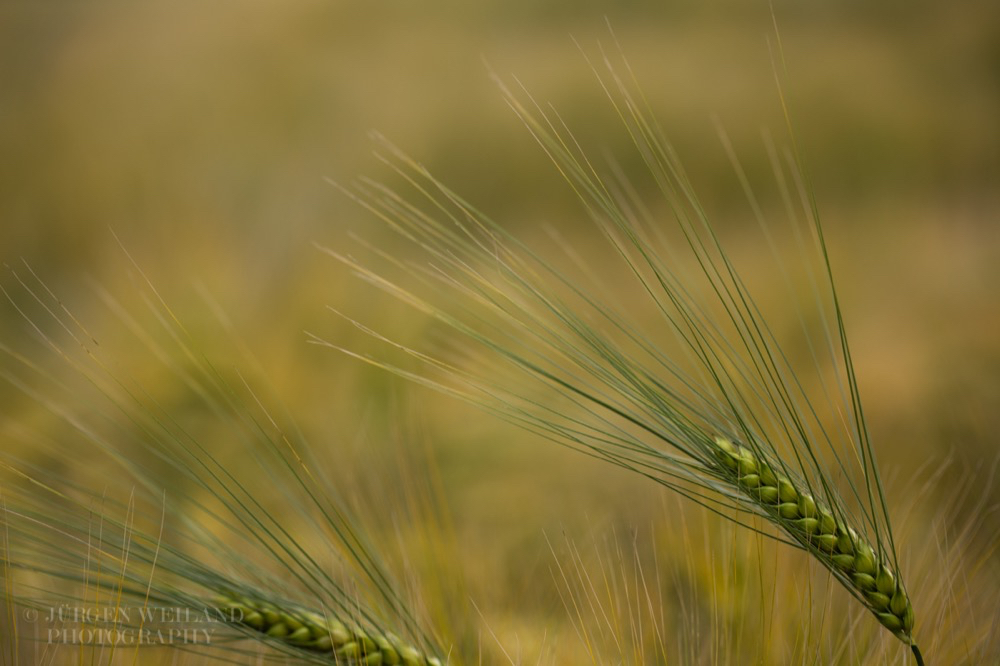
x,y
203,136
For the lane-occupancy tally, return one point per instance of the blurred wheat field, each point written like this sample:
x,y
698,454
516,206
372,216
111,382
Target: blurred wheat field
x,y
203,137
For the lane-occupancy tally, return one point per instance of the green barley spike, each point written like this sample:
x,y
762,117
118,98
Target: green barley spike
x,y
343,641
847,554
613,391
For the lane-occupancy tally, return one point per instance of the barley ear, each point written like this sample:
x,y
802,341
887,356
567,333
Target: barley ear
x,y
344,641
838,546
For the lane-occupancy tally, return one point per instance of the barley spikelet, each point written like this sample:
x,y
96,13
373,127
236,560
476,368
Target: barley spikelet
x,y
343,642
838,545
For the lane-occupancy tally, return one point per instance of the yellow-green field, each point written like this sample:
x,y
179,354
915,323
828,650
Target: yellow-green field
x,y
163,160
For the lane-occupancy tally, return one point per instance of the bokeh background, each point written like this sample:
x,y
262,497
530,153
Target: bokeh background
x,y
203,137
